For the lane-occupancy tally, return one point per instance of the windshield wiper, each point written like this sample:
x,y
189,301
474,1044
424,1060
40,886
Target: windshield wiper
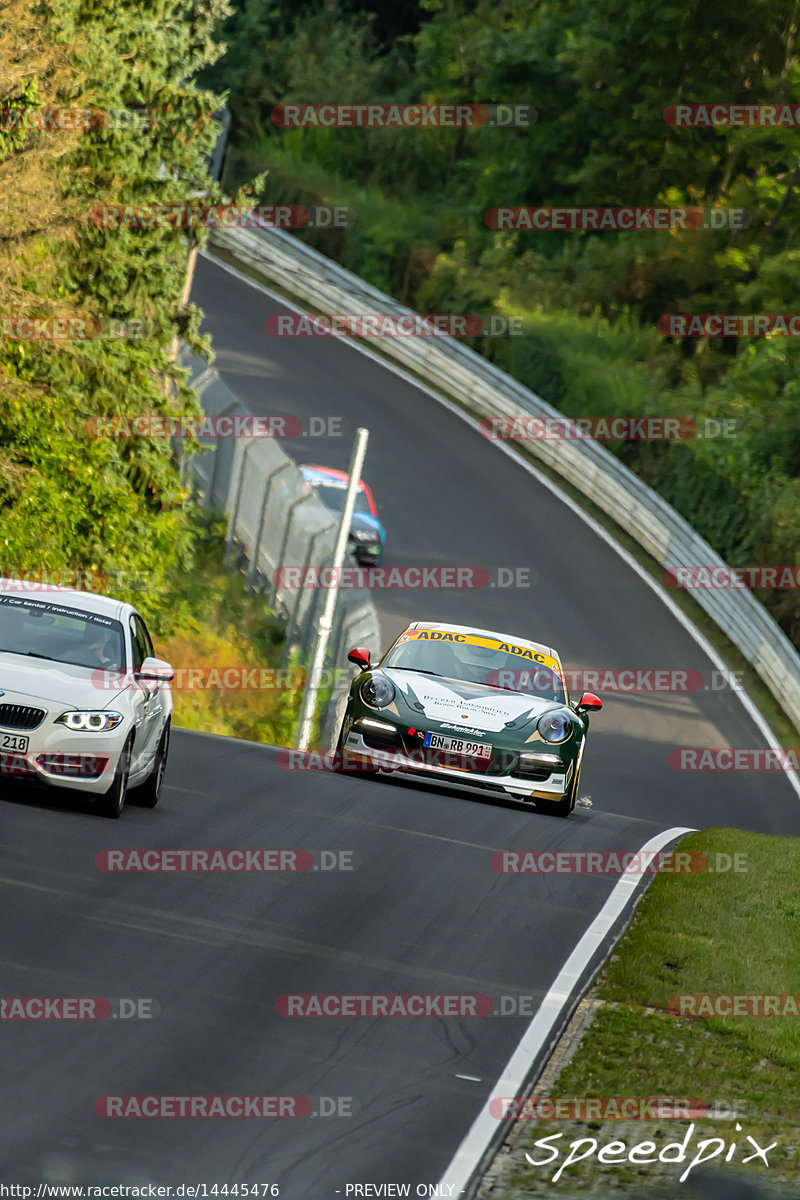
x,y
419,671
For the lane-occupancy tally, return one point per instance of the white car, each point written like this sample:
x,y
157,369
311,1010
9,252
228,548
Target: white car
x,y
84,703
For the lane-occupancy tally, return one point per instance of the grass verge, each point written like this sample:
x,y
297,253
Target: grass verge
x,y
729,932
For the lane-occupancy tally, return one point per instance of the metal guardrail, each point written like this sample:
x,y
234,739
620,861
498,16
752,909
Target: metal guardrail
x,y
455,370
274,521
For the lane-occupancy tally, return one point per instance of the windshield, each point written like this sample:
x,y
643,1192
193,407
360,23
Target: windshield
x,y
478,663
54,631
333,497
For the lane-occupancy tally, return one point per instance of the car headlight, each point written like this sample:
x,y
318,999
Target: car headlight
x,y
377,691
90,721
556,726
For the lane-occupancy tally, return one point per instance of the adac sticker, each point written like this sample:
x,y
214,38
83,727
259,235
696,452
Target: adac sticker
x,y
469,639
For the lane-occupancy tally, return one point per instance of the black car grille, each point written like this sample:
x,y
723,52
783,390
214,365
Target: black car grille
x,y
537,774
19,716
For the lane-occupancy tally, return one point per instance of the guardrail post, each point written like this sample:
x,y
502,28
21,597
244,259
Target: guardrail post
x,y
240,458
301,499
294,626
252,568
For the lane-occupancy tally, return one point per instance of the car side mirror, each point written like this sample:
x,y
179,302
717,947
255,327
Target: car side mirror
x,y
360,656
588,702
155,670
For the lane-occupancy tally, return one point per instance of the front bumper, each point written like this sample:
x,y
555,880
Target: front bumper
x,y
358,754
61,758
366,554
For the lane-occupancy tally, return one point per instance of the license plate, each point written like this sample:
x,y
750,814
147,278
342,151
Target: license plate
x,y
437,741
13,741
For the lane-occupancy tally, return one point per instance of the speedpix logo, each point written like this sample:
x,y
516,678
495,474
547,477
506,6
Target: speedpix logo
x,y
616,1153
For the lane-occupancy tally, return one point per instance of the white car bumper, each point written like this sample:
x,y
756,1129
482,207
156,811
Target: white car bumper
x,y
57,756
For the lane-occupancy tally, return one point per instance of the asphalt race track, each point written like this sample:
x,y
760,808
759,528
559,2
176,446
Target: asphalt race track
x,y
450,497
421,912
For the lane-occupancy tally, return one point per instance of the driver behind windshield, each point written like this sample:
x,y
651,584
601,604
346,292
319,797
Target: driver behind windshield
x,y
479,664
94,648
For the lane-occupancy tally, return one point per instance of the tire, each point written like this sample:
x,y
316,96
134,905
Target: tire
x,y
147,794
562,808
113,802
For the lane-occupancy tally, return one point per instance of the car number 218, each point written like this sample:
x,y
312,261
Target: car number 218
x,y
13,741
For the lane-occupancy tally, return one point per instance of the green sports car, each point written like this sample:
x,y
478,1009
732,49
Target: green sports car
x,y
472,708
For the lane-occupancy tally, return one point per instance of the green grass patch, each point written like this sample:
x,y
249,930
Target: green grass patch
x,y
733,932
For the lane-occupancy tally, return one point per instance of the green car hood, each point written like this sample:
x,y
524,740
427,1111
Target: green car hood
x,y
465,705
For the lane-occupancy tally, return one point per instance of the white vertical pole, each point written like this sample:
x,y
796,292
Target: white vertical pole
x,y
325,623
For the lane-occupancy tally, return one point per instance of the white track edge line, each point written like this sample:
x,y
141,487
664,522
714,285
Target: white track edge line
x,y
478,1139
686,622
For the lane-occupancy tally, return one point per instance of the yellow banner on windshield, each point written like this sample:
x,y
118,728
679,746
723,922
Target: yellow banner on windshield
x,y
473,639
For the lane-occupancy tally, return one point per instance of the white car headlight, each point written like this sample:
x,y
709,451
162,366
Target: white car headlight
x,y
90,721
